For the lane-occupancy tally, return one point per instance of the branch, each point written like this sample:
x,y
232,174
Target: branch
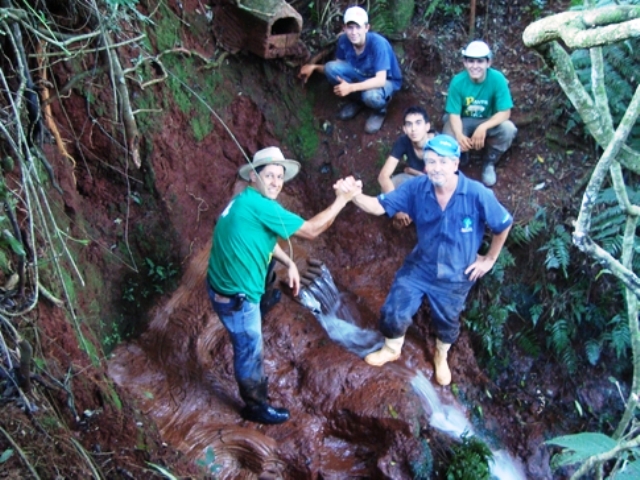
x,y
130,125
603,457
585,29
602,167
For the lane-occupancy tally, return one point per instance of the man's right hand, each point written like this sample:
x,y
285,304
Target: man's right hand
x,y
306,71
347,188
401,220
465,142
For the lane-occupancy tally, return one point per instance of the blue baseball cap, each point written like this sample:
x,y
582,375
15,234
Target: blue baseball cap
x,y
443,145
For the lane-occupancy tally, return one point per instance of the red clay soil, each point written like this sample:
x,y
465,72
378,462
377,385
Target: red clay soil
x,y
348,420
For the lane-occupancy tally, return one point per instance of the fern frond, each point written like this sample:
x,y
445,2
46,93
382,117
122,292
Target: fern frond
x,y
559,338
620,337
593,349
527,341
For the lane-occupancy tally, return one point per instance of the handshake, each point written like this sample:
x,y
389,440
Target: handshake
x,y
347,188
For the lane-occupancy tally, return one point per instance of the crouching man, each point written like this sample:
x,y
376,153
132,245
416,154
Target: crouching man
x,y
450,212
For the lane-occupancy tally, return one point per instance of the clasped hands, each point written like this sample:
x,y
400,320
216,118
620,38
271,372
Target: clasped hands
x,y
348,188
475,142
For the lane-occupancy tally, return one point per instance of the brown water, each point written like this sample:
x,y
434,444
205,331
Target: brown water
x,y
348,419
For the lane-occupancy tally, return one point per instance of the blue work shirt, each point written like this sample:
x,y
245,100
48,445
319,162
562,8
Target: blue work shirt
x,y
449,239
378,55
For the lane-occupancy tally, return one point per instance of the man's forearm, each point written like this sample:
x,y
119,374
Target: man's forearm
x,y
319,223
281,256
497,242
370,83
368,204
496,119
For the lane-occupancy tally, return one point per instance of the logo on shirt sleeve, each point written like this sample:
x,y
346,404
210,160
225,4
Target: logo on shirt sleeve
x,y
225,212
467,225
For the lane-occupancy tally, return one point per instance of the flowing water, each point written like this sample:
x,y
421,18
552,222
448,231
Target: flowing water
x,y
322,298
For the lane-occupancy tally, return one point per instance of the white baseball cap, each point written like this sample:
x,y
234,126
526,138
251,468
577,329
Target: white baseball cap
x,y
477,49
357,15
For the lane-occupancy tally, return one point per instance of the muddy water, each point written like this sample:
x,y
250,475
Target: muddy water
x,y
348,419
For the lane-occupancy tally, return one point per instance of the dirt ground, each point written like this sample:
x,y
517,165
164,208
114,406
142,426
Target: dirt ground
x,y
175,381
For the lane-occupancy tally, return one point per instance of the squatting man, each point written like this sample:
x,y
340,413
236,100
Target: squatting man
x,y
366,70
450,212
410,146
478,109
244,243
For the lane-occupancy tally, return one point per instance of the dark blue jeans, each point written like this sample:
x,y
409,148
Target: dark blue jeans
x,y
409,287
243,322
376,98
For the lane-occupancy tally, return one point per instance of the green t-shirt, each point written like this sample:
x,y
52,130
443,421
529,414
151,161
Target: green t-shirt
x,y
478,100
243,242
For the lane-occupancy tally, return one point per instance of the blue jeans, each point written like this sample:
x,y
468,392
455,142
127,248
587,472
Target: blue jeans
x,y
243,322
409,287
376,98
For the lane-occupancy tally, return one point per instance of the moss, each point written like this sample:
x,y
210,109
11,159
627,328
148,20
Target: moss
x,y
304,138
401,13
167,29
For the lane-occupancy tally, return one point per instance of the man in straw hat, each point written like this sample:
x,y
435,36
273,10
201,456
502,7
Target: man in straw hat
x,y
450,212
244,242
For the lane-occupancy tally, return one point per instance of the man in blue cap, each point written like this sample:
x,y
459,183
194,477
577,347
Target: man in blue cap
x,y
450,212
366,70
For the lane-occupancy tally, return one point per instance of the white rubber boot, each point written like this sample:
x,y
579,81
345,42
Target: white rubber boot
x,y
389,352
443,374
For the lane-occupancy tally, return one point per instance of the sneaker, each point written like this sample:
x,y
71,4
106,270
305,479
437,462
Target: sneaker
x,y
350,110
489,174
374,122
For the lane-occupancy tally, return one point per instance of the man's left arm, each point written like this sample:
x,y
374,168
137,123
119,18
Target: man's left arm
x,y
345,88
484,263
480,133
294,275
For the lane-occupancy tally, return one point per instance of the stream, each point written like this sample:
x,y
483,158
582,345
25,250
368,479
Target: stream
x,y
323,299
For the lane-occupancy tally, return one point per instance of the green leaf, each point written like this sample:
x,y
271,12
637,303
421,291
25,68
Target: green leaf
x,y
582,446
13,242
631,471
6,455
163,471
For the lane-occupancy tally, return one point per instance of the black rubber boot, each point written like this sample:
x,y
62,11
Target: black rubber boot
x,y
257,409
272,294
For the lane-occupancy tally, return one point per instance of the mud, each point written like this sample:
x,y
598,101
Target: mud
x,y
349,420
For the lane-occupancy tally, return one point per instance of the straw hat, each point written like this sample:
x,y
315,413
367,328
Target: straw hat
x,y
267,156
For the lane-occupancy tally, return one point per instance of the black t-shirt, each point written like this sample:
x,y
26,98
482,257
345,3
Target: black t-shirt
x,y
403,146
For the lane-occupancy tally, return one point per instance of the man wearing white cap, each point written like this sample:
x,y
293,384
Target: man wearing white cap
x,y
366,70
450,212
244,242
478,109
